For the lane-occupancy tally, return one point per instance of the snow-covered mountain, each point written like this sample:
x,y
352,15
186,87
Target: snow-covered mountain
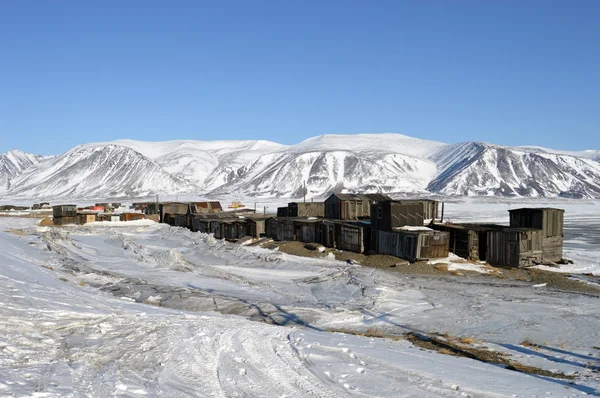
x,y
97,171
391,163
207,164
353,163
13,163
474,169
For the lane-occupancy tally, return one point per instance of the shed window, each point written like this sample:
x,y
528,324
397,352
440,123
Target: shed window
x,y
379,212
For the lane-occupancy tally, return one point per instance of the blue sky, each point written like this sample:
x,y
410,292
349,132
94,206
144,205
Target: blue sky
x,y
507,72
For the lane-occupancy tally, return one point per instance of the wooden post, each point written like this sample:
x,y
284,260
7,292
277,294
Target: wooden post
x,y
442,219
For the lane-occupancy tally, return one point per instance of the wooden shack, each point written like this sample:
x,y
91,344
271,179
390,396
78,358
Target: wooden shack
x,y
327,235
285,229
234,229
307,230
205,207
271,227
306,209
350,236
67,220
411,245
514,247
64,211
110,217
468,240
354,237
200,224
389,214
430,207
550,221
175,214
216,228
132,216
282,211
255,226
86,217
148,208
351,206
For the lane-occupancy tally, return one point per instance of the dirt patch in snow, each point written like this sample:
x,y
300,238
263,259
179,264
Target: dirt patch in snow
x,y
454,347
552,280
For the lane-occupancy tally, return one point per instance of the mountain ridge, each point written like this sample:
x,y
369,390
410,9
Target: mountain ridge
x,y
391,163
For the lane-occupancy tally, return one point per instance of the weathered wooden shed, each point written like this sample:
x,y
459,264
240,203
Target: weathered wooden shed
x,y
351,206
327,235
515,247
234,229
282,211
216,229
550,221
389,214
64,211
205,207
306,209
430,207
255,226
411,245
353,236
285,229
67,220
468,240
176,220
201,224
350,236
308,230
132,216
147,207
271,224
86,217
175,214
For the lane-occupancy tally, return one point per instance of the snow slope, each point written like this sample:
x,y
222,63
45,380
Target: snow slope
x,y
150,310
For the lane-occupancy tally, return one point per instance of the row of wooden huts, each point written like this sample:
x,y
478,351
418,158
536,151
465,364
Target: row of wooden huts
x,y
374,223
350,222
533,236
70,214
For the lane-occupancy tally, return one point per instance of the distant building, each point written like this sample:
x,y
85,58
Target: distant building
x,y
64,211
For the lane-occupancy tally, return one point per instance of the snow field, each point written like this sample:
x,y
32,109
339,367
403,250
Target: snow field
x,y
150,310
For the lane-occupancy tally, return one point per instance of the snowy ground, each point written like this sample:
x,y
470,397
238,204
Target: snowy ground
x,y
142,309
